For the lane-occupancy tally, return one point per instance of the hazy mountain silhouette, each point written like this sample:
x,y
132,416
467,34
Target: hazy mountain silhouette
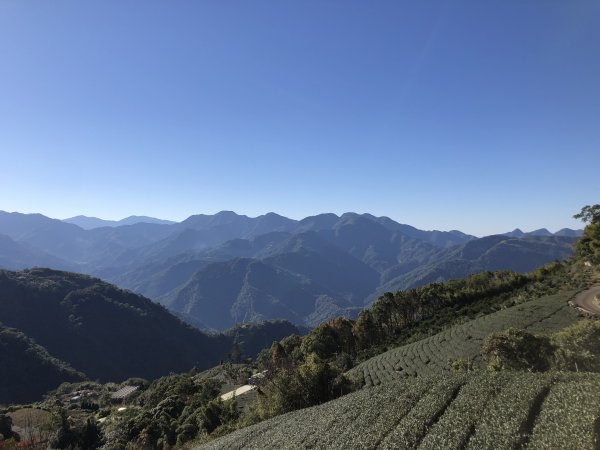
x,y
14,255
89,223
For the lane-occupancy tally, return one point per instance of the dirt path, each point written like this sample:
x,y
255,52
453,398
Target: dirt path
x,y
588,300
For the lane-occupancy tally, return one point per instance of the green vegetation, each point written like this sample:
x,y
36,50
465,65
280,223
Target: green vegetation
x,y
573,348
509,426
588,247
428,391
28,371
578,347
60,326
569,415
304,371
248,339
104,332
516,349
453,411
431,355
290,386
410,316
172,410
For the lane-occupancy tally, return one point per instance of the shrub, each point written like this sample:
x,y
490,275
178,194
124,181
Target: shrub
x,y
516,349
578,347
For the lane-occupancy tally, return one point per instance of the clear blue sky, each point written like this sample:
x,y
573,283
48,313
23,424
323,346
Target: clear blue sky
x,y
475,115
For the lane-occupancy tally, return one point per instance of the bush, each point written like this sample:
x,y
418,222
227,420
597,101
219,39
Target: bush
x,y
578,347
517,349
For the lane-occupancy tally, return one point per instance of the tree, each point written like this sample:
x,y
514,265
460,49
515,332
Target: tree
x,y
217,413
5,426
90,437
278,356
588,247
578,347
516,349
235,355
64,437
365,330
589,214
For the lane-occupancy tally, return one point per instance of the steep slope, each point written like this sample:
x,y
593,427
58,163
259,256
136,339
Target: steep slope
x,y
496,252
314,258
14,255
28,371
247,290
428,356
105,332
458,411
305,277
345,267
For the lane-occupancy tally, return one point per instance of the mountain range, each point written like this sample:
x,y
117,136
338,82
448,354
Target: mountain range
x,y
214,271
89,223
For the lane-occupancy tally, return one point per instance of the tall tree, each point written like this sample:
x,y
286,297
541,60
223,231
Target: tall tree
x,y
588,246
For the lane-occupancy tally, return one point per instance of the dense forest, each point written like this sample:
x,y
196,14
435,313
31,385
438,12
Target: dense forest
x,y
59,326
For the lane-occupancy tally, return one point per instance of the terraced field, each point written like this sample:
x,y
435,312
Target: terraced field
x,y
453,411
430,356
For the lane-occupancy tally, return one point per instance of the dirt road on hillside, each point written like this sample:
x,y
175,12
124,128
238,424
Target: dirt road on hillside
x,y
588,300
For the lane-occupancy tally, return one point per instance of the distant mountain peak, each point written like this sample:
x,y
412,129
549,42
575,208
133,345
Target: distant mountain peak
x,y
565,232
90,222
227,213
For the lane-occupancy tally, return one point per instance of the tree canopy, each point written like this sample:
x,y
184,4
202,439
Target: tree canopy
x,y
589,214
588,247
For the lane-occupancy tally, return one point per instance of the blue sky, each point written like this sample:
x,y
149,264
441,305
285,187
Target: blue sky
x,y
470,115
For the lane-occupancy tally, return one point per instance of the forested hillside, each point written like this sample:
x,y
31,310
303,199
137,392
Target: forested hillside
x,y
104,332
60,326
28,371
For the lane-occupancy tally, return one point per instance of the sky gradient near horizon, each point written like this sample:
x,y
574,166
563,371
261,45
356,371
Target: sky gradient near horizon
x,y
477,116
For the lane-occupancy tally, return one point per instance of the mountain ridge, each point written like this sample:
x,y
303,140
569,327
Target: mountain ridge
x,y
339,263
90,223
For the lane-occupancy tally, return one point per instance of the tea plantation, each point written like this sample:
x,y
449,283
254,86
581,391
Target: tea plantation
x,y
504,410
431,355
